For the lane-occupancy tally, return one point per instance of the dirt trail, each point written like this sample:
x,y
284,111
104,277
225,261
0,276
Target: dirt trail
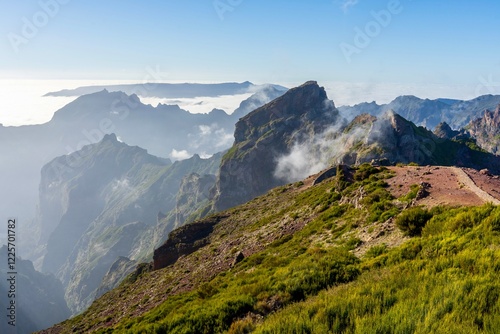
x,y
469,183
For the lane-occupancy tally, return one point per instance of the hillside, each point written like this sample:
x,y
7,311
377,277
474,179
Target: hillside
x,y
325,256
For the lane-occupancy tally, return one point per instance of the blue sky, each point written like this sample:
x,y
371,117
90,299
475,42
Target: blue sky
x,y
425,42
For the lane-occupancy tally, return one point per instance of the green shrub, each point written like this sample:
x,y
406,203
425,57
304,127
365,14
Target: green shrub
x,y
376,250
413,220
364,171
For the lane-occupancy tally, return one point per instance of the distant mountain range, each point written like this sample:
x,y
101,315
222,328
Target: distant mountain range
x,y
428,113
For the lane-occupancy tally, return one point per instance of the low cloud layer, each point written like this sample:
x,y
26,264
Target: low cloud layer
x,y
329,148
201,105
180,155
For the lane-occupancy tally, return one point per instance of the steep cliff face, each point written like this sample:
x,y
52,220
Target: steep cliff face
x,y
247,170
194,193
486,130
109,178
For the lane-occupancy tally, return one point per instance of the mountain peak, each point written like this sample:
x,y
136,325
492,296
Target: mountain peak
x,y
307,101
443,130
110,137
267,132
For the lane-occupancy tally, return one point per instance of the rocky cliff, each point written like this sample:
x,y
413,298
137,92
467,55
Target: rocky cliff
x,y
194,193
247,170
486,130
183,241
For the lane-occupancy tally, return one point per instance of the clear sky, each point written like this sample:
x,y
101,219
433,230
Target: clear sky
x,y
283,41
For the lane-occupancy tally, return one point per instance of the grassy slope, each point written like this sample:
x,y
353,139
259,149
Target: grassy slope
x,y
299,275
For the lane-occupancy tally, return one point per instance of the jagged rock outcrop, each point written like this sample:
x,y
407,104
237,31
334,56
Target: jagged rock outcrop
x,y
443,130
183,241
486,130
247,170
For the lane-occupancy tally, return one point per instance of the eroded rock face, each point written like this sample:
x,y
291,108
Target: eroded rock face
x,y
183,241
260,137
486,131
195,192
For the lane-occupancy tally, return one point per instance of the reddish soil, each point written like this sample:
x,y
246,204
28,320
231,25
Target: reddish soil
x,y
449,185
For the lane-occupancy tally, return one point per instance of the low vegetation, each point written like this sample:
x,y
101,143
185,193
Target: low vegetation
x,y
443,280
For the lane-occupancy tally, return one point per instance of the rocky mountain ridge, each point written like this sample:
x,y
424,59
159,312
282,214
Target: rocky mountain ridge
x,y
486,130
426,112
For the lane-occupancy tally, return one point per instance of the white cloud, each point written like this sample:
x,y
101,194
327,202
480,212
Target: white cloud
x,y
203,104
180,155
121,185
212,135
205,130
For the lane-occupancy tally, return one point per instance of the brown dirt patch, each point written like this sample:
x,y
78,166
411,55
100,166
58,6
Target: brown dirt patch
x,y
446,187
